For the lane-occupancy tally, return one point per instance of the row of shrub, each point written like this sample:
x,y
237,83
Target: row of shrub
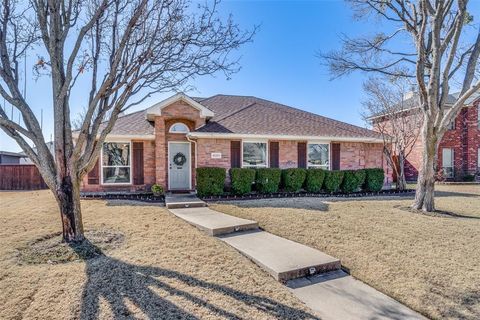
x,y
211,180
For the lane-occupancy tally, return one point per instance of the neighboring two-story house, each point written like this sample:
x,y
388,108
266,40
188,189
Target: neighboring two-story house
x,y
459,150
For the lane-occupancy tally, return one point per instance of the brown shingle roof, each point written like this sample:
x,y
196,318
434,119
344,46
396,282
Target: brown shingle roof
x,y
250,115
133,124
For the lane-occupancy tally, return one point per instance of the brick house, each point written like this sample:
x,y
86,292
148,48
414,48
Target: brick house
x,y
459,149
166,142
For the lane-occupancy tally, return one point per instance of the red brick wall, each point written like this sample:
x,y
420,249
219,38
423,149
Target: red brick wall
x,y
288,154
205,149
465,140
359,155
473,138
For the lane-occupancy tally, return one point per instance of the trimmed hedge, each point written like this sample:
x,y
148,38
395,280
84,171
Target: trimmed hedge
x,y
314,180
267,180
242,180
374,179
352,180
210,181
333,181
293,179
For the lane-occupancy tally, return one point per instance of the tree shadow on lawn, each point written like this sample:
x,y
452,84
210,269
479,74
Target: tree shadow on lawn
x,y
315,204
118,283
455,194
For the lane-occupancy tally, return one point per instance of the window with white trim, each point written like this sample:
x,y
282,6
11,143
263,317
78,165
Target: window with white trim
x,y
318,155
451,125
447,162
116,163
254,154
179,128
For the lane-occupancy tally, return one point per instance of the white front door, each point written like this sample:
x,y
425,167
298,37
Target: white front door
x,y
179,166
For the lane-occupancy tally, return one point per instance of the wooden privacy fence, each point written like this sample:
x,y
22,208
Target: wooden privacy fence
x,y
20,177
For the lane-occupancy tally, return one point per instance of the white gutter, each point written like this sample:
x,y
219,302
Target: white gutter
x,y
215,135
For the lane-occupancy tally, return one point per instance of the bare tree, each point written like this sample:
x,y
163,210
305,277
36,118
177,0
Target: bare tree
x,y
125,49
431,42
390,108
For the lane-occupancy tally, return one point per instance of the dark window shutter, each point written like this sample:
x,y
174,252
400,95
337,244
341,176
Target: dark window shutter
x,y
137,163
94,174
302,154
273,153
335,156
235,156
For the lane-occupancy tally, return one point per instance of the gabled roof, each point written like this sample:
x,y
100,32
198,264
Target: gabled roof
x,y
156,110
256,116
410,103
247,116
132,124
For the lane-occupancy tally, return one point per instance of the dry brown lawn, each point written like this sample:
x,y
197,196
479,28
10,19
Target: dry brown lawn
x,y
430,263
165,269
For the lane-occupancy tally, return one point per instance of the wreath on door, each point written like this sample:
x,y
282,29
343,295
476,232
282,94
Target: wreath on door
x,y
179,159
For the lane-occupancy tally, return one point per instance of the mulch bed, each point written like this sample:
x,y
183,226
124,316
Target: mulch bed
x,y
253,196
136,196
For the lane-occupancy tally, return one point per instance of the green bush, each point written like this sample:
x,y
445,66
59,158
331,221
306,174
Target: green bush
x,y
314,179
374,179
293,179
361,175
157,190
333,181
210,181
352,180
468,178
268,180
242,180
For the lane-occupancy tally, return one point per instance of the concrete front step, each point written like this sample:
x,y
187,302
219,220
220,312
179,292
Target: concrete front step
x,y
336,295
176,201
282,258
212,222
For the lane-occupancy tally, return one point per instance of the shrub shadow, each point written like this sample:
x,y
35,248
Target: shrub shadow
x,y
119,283
315,204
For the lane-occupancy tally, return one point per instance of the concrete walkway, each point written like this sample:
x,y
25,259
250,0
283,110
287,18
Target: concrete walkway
x,y
212,222
282,258
183,200
337,295
311,275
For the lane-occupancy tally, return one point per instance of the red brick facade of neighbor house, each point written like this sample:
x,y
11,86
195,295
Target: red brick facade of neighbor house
x,y
458,151
218,132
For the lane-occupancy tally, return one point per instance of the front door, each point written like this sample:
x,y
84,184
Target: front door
x,y
179,165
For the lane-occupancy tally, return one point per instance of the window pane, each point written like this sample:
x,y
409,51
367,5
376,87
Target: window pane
x,y
116,154
254,154
447,158
447,162
116,175
179,128
318,155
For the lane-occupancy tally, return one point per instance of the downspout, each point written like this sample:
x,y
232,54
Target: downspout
x,y
196,155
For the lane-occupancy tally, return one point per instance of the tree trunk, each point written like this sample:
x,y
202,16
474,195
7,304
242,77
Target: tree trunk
x,y
424,196
401,180
68,199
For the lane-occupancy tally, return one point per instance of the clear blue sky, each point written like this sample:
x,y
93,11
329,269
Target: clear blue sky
x,y
280,64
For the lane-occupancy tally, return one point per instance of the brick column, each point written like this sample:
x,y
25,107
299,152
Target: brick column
x,y
160,149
